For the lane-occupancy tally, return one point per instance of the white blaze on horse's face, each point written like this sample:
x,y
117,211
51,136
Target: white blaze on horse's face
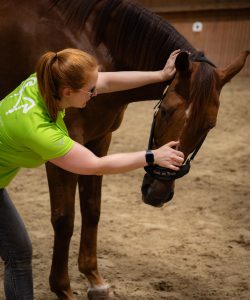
x,y
188,112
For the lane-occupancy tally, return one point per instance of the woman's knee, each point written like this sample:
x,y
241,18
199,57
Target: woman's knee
x,y
18,256
24,250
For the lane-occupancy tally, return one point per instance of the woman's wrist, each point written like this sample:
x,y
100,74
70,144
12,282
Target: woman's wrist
x,y
149,156
164,75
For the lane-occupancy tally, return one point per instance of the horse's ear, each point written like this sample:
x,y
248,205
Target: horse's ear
x,y
227,73
182,62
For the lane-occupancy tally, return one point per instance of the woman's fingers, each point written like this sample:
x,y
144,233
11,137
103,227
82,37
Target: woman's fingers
x,y
175,52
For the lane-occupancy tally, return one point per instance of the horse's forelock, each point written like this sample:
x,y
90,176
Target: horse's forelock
x,y
144,37
201,93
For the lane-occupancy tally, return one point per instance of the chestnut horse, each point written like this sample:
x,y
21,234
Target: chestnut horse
x,y
123,36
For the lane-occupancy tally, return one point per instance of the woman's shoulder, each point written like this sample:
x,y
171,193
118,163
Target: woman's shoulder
x,y
24,109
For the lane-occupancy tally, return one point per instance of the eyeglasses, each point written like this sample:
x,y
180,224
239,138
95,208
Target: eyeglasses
x,y
91,92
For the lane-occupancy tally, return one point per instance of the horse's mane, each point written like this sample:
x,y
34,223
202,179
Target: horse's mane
x,y
138,39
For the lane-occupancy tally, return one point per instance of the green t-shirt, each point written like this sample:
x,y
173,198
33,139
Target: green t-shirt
x,y
28,137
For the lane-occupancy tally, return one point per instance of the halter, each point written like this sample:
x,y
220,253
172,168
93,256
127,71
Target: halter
x,y
165,174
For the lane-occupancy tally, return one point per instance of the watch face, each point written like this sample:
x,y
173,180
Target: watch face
x,y
149,157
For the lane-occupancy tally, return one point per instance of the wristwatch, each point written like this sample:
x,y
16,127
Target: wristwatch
x,y
150,157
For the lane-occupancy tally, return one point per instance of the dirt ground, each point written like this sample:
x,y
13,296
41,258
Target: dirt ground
x,y
195,247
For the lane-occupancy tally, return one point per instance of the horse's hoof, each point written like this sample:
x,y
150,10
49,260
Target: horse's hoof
x,y
100,293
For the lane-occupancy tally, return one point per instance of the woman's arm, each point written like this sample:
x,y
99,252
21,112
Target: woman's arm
x,y
82,161
119,81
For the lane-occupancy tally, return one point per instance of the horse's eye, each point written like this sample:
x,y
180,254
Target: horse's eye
x,y
166,113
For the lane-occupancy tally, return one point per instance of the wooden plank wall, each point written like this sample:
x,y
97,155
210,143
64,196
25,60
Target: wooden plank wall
x,y
192,5
225,27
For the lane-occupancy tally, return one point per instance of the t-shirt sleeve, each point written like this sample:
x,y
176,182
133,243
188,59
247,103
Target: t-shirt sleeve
x,y
49,141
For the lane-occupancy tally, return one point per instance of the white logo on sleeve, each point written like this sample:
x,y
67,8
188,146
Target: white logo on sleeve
x,y
29,102
60,142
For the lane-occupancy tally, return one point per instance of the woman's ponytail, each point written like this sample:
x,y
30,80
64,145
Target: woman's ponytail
x,y
56,70
47,84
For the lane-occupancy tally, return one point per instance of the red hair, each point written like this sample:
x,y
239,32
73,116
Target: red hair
x,y
57,70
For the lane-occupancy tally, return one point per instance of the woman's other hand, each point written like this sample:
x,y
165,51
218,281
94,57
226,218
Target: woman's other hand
x,y
169,70
166,156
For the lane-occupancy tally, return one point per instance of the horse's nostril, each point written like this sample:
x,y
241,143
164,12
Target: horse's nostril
x,y
171,195
147,181
144,189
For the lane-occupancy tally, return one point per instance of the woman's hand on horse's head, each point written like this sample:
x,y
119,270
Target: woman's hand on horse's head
x,y
168,157
169,70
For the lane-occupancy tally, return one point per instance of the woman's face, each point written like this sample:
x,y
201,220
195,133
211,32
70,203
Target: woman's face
x,y
79,99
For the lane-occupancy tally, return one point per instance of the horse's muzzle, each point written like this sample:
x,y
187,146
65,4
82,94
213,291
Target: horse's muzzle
x,y
155,192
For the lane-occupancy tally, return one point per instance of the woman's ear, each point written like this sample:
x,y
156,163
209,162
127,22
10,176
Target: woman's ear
x,y
66,92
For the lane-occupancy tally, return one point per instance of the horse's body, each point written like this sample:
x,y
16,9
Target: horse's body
x,y
123,37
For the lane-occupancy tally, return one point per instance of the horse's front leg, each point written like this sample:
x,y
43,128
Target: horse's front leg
x,y
62,187
90,201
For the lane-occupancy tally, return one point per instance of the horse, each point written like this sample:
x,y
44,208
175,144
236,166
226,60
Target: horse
x,y
187,112
122,36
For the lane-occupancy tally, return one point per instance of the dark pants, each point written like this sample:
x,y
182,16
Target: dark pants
x,y
16,252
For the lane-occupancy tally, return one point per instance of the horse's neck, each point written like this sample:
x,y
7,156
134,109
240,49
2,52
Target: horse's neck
x,y
144,93
135,38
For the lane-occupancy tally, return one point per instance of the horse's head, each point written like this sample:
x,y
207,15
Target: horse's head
x,y
187,111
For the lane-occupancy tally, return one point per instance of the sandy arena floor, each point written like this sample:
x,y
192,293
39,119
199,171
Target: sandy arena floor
x,y
195,247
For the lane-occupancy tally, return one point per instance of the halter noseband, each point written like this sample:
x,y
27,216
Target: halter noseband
x,y
165,174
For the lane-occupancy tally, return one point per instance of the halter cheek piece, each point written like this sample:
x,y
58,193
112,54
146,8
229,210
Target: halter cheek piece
x,y
165,174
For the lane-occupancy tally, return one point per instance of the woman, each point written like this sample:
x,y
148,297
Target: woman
x,y
32,131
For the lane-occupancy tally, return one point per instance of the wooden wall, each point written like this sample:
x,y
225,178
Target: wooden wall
x,y
222,31
193,5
